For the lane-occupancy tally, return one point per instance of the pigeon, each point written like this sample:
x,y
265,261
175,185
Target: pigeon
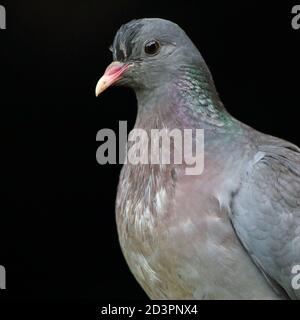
x,y
231,232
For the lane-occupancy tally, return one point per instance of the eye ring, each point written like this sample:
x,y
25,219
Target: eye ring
x,y
152,47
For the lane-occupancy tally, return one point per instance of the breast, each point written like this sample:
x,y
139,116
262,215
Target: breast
x,y
178,240
141,207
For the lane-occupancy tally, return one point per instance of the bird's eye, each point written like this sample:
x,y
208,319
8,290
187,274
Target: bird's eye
x,y
152,47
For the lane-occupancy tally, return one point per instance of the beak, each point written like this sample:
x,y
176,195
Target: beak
x,y
112,73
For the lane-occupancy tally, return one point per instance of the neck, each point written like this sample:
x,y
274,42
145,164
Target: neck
x,y
190,99
197,98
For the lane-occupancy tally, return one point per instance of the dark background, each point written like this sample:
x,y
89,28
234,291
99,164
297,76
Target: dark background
x,y
57,229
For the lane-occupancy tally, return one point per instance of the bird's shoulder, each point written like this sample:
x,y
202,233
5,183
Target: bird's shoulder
x,y
275,172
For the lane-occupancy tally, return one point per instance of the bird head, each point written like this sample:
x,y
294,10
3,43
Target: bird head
x,y
147,53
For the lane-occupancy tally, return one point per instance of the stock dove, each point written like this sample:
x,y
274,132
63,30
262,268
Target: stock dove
x,y
231,232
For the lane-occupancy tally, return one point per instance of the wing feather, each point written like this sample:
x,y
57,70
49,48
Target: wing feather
x,y
266,211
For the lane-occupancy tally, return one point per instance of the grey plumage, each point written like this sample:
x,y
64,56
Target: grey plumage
x,y
232,232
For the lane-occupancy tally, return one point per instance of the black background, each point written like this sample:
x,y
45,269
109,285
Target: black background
x,y
58,236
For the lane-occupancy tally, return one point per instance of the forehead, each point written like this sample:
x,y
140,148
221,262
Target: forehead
x,y
140,30
125,38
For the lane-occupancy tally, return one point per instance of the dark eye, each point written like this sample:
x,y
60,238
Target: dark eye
x,y
152,47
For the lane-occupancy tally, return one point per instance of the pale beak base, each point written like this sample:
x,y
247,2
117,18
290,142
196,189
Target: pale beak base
x,y
112,74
